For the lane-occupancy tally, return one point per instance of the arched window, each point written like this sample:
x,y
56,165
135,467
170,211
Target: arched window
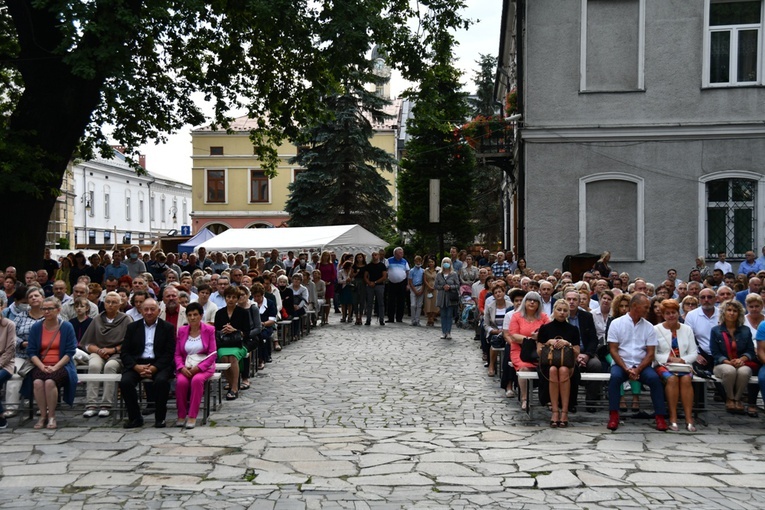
x,y
216,228
140,206
730,202
599,228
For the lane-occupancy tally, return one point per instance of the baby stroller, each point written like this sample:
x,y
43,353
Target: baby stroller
x,y
467,316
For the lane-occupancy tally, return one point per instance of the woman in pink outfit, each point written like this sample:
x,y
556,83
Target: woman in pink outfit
x,y
195,355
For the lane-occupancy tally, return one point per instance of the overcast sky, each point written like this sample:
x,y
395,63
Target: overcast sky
x,y
173,159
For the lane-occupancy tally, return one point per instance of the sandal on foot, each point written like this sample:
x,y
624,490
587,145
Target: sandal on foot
x,y
690,427
554,423
52,423
563,423
244,386
751,412
232,395
41,423
524,405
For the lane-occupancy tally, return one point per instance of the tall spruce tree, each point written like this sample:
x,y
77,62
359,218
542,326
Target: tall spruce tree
x,y
435,151
483,103
342,183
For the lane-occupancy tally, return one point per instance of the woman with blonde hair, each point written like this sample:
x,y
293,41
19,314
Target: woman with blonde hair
x,y
525,323
602,266
732,348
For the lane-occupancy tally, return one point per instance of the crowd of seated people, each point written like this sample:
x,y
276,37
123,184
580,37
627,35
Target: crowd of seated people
x,y
128,299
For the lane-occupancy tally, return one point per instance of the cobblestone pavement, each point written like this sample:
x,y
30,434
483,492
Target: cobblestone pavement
x,y
355,417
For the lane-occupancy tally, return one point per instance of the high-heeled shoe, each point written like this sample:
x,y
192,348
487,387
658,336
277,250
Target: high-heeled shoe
x,y
563,423
554,422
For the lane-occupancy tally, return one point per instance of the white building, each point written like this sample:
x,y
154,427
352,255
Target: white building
x,y
115,205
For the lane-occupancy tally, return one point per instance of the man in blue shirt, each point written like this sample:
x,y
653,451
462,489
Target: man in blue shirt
x,y
116,269
749,265
416,290
398,273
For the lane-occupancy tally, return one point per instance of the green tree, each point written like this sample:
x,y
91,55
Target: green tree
x,y
342,184
483,103
68,68
435,151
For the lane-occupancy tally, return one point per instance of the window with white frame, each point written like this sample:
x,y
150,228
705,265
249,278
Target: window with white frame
x,y
127,205
731,216
612,45
90,200
140,207
599,228
162,211
107,201
733,42
151,207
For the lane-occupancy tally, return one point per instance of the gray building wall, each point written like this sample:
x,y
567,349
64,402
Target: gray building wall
x,y
671,172
669,135
673,72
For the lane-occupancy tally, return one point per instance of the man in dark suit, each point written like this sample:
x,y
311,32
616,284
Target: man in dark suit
x,y
588,360
147,353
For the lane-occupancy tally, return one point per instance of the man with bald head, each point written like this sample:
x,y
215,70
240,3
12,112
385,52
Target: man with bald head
x,y
755,284
147,352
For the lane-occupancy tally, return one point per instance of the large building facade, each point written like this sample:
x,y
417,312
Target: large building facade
x,y
111,204
231,190
643,130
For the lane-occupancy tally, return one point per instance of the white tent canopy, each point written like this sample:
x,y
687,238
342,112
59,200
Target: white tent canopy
x,y
337,238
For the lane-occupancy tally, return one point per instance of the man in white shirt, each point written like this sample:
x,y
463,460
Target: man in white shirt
x,y
701,321
479,285
545,291
632,343
722,265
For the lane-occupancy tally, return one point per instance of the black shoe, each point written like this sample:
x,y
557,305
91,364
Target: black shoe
x,y
268,359
160,424
133,424
3,423
368,323
382,323
148,411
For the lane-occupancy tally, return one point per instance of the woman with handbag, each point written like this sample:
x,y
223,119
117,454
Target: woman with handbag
x,y
232,325
493,317
51,349
448,286
525,323
252,340
195,353
674,354
558,335
731,347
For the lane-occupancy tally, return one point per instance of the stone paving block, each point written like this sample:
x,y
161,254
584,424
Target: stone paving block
x,y
558,479
107,479
393,480
755,481
672,480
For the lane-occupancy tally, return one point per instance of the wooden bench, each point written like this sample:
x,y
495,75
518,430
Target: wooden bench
x,y
209,400
604,377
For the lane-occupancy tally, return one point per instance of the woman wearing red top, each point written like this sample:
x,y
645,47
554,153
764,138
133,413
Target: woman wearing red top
x,y
328,276
525,323
51,349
